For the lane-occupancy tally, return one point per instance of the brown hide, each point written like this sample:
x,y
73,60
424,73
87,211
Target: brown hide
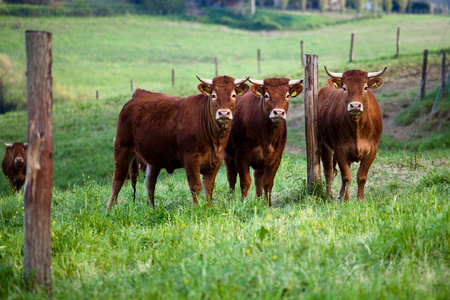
x,y
14,165
256,139
350,127
169,132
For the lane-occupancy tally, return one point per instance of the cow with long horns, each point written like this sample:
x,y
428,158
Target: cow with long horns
x,y
14,164
169,132
258,134
350,124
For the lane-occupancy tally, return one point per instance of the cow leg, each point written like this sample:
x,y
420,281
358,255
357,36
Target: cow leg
x,y
259,175
133,174
231,172
151,175
245,178
123,158
346,175
193,176
269,176
328,164
361,176
208,183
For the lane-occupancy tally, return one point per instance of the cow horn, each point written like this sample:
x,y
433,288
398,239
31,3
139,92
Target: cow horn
x,y
255,81
331,74
207,81
376,74
297,81
239,81
7,145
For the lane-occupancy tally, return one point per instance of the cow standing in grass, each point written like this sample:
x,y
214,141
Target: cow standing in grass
x,y
258,134
169,132
350,124
14,164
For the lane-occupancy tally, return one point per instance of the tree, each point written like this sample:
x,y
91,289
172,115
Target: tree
x,y
387,6
323,5
284,4
402,4
343,4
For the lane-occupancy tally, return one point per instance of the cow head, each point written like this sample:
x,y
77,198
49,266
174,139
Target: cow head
x,y
18,152
355,84
222,92
275,93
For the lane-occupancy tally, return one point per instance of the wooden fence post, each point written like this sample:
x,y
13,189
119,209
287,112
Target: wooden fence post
x,y
173,77
302,53
352,45
259,61
96,94
217,66
398,42
443,74
424,74
311,130
131,84
38,183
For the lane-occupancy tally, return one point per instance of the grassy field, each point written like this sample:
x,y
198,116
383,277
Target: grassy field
x,y
395,245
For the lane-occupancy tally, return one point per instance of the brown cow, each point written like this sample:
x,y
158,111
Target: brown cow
x,y
258,134
169,132
350,126
14,164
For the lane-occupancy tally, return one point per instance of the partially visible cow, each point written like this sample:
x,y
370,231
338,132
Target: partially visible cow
x,y
169,132
258,134
350,124
14,164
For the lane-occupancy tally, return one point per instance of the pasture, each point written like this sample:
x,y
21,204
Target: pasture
x,y
396,244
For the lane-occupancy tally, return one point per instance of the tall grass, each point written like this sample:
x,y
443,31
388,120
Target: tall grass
x,y
394,245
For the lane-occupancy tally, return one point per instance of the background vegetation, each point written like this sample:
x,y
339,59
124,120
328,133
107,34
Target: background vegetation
x,y
394,245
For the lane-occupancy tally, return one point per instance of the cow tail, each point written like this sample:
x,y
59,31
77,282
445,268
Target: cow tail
x,y
133,173
335,171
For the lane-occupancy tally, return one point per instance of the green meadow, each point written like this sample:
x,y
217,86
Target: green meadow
x,y
395,245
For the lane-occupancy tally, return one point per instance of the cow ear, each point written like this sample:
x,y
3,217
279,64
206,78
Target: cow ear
x,y
8,149
257,90
335,82
375,83
295,90
205,89
242,89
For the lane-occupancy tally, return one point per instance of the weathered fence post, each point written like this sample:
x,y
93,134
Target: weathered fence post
x,y
131,84
173,77
38,183
311,130
302,53
259,61
443,74
398,42
217,66
424,74
352,45
96,94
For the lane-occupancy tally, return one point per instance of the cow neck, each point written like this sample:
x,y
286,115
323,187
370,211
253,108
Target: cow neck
x,y
359,124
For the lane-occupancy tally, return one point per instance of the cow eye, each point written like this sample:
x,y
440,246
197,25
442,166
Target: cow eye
x,y
365,88
233,96
287,96
266,96
213,96
344,88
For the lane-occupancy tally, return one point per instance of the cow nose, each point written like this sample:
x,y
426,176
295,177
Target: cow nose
x,y
355,107
18,160
224,115
278,114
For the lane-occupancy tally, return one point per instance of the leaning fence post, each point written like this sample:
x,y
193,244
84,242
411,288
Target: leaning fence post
x,y
443,74
302,53
217,66
398,42
173,77
424,74
131,84
311,130
38,183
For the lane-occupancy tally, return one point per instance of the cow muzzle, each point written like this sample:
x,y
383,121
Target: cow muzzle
x,y
277,115
355,108
224,115
18,161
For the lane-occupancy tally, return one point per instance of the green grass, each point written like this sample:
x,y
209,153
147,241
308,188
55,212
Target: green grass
x,y
395,245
